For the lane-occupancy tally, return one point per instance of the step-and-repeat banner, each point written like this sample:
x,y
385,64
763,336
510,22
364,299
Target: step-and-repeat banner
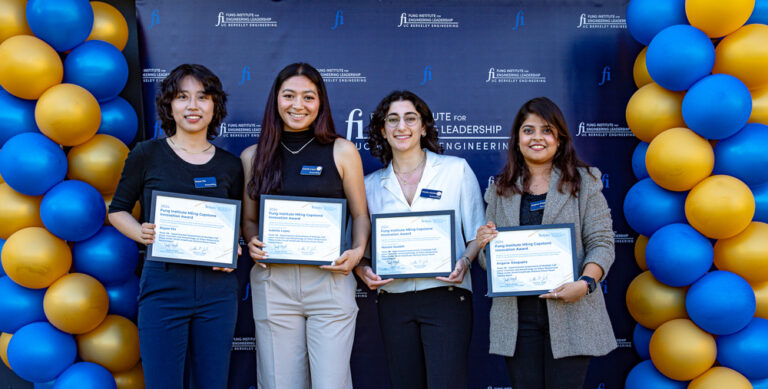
x,y
474,62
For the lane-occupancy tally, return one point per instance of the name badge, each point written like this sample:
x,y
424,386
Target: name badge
x,y
431,193
538,205
205,182
309,170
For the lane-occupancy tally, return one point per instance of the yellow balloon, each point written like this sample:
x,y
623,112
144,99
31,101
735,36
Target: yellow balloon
x,y
131,379
682,351
720,206
17,211
652,303
761,295
745,254
28,66
109,25
640,243
13,19
114,344
68,114
759,106
653,109
718,18
720,377
76,303
744,55
678,159
99,162
136,212
35,258
4,340
640,71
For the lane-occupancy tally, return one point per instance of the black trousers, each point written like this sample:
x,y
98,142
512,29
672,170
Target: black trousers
x,y
533,366
426,337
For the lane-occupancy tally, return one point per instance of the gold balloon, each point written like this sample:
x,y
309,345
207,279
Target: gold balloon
x,y
13,19
640,71
652,303
17,211
99,162
109,25
4,340
136,212
744,55
653,109
759,106
761,295
114,344
68,114
678,159
720,377
718,18
131,379
720,206
682,351
35,258
640,243
28,66
76,303
745,254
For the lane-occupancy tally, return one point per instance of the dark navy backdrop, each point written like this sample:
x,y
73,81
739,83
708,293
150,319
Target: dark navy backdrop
x,y
474,62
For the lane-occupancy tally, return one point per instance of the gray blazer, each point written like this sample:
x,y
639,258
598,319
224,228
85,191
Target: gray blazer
x,y
580,328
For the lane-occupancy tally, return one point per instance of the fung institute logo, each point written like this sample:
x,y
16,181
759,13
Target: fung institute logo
x,y
602,21
243,19
425,20
341,75
515,75
339,20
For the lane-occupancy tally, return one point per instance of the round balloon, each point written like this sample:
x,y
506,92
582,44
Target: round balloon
x,y
131,379
653,109
648,207
123,298
761,203
743,156
64,24
747,350
114,344
19,305
644,376
98,162
4,340
640,71
16,116
638,161
678,255
13,19
718,18
761,296
73,210
31,164
38,352
743,53
641,337
85,375
720,377
109,25
76,303
640,244
721,119
109,256
68,114
35,258
721,303
118,118
28,67
44,385
17,211
98,67
645,18
759,106
678,56
759,384
745,254
682,351
719,207
678,159
652,303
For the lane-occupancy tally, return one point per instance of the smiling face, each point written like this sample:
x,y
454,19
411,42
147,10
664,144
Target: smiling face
x,y
403,127
192,108
298,103
538,141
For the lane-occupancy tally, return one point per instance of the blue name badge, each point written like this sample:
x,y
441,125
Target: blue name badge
x,y
309,170
538,205
205,182
431,193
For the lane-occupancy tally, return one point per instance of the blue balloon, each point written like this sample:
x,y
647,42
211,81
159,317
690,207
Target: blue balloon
x,y
678,255
118,118
123,298
678,56
73,210
760,13
31,163
19,306
641,339
645,18
761,203
108,256
85,375
721,303
648,207
717,106
638,161
63,24
16,116
743,155
38,352
746,351
99,67
645,376
759,384
44,385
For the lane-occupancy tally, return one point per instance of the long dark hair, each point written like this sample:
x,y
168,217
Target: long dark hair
x,y
169,88
565,158
268,159
378,143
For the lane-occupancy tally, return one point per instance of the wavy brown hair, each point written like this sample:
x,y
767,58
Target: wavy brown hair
x,y
169,88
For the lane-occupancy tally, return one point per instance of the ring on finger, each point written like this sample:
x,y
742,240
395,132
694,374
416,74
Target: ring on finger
x,y
555,294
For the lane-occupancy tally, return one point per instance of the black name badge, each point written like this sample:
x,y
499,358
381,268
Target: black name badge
x,y
431,193
309,170
205,182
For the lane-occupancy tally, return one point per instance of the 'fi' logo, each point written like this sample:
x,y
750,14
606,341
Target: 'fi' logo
x,y
491,74
220,19
352,123
155,18
519,20
403,20
427,75
339,20
246,75
581,130
582,21
606,75
158,129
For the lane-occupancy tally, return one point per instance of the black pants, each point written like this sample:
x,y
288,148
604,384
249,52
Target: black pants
x,y
533,365
426,337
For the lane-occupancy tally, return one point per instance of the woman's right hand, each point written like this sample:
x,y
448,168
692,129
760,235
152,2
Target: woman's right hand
x,y
485,234
370,278
255,249
147,233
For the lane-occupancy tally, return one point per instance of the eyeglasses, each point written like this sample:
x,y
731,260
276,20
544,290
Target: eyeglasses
x,y
410,119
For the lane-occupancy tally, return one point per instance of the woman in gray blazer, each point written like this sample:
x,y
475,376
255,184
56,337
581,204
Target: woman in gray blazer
x,y
547,340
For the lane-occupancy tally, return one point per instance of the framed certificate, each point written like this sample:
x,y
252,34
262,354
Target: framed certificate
x,y
413,244
531,260
194,230
302,230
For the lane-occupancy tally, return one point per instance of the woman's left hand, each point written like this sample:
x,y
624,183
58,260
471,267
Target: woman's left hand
x,y
345,263
457,275
227,269
570,292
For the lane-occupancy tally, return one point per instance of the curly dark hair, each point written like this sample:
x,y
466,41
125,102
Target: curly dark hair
x,y
169,88
378,143
565,158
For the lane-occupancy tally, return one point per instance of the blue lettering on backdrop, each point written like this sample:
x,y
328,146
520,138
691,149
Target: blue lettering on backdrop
x,y
519,20
155,18
339,20
606,75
